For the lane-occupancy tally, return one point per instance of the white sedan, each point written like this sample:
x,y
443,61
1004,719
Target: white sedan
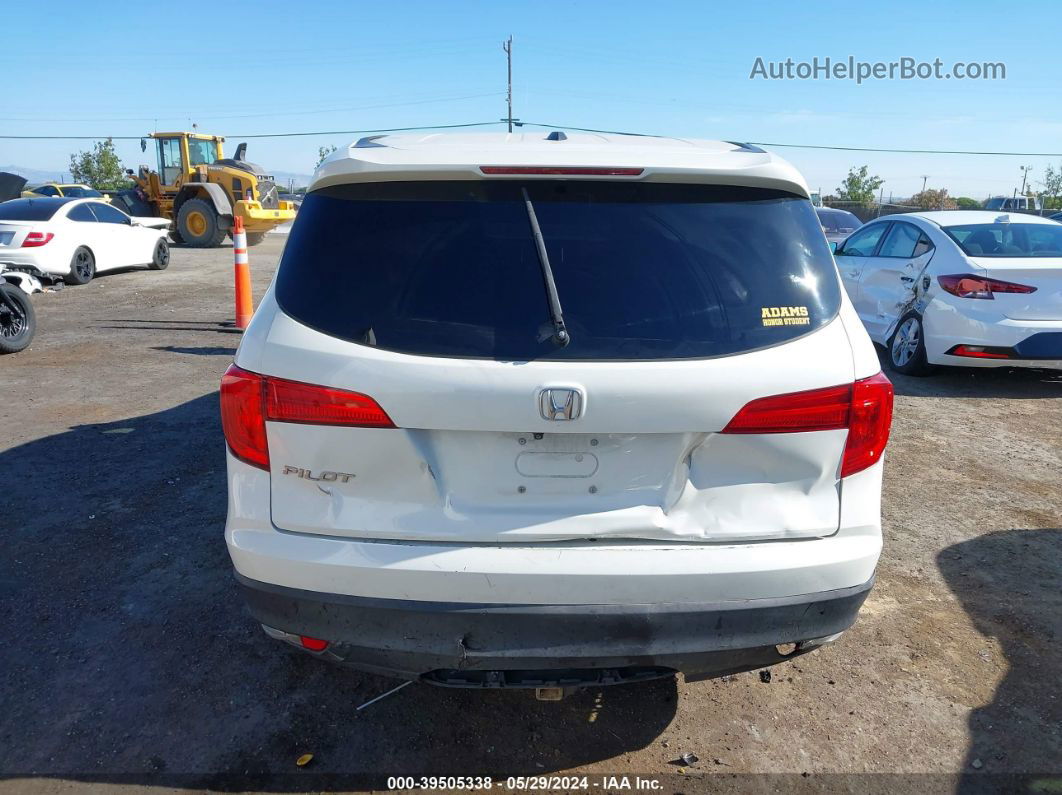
x,y
74,239
971,288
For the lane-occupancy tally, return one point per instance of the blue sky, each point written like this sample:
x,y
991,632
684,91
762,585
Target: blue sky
x,y
673,68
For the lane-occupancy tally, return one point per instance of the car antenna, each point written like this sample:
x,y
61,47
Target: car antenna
x,y
560,334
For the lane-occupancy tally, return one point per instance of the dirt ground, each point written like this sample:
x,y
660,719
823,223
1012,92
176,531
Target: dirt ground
x,y
126,656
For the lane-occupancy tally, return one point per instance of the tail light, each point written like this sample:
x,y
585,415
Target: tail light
x,y
966,285
980,352
35,239
248,400
864,408
868,424
313,644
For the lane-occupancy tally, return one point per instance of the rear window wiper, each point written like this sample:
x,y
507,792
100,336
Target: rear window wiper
x,y
560,335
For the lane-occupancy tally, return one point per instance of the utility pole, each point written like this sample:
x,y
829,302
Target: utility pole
x,y
507,46
925,178
1024,174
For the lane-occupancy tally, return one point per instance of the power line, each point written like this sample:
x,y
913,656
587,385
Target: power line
x,y
548,127
909,151
363,132
589,129
282,113
257,135
808,146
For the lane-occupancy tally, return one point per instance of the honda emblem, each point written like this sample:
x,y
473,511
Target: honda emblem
x,y
560,404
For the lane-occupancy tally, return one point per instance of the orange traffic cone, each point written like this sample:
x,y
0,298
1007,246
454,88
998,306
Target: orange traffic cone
x,y
244,303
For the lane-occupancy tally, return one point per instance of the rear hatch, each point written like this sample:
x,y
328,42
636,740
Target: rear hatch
x,y
1043,273
11,186
1025,254
684,303
18,217
12,233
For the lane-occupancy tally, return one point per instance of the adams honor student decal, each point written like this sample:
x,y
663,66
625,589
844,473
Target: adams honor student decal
x,y
785,316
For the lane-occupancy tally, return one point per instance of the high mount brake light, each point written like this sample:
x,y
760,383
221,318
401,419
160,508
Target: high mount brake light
x,y
35,239
574,171
249,400
967,285
864,408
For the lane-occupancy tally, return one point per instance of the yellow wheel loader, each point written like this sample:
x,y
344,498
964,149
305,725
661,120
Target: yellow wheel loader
x,y
202,191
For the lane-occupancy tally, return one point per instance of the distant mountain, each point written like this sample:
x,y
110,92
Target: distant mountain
x,y
36,174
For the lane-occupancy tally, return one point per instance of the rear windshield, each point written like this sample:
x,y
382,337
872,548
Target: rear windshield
x,y
838,221
1007,240
29,209
643,271
77,192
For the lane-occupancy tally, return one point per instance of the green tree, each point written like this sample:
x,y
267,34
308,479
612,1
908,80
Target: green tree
x,y
101,167
933,199
1052,183
966,203
323,152
859,187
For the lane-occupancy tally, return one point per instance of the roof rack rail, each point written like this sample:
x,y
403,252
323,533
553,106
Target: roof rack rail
x,y
747,147
369,141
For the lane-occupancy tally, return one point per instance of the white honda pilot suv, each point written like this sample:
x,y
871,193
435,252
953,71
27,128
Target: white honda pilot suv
x,y
555,410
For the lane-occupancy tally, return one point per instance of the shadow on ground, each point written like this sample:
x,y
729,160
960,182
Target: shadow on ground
x,y
128,657
1010,584
169,325
203,350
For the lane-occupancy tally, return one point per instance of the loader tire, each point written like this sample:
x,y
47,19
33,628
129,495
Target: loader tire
x,y
254,238
198,224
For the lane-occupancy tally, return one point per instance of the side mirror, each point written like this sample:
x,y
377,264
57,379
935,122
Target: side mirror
x,y
834,245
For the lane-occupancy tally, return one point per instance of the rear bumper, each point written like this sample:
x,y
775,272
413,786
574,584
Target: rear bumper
x,y
32,263
485,645
1027,343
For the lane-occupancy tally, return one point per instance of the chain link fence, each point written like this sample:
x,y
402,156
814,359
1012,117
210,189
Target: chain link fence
x,y
867,212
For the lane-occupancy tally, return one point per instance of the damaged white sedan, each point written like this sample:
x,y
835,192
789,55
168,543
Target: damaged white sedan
x,y
968,288
74,239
